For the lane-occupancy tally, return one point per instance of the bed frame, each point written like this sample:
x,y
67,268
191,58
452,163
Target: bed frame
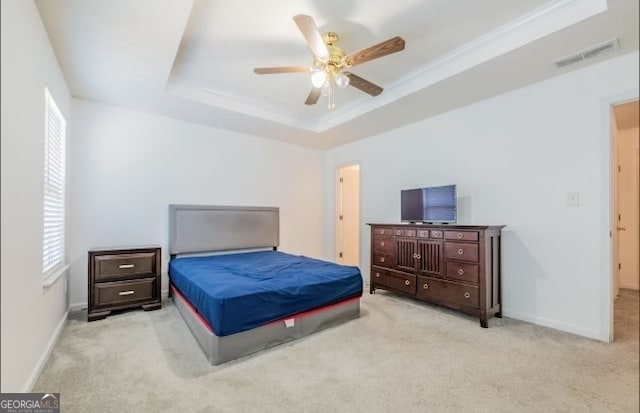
x,y
210,229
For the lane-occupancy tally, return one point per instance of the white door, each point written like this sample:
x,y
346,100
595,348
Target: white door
x,y
348,215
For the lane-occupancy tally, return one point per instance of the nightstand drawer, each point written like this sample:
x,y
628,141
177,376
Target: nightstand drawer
x,y
124,266
124,292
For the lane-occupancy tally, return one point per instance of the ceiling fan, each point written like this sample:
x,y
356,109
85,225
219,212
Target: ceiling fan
x,y
330,64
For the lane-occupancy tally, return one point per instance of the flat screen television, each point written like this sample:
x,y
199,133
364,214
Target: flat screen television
x,y
434,204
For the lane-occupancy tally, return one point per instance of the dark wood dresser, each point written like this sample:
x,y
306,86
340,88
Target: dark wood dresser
x,y
457,266
123,278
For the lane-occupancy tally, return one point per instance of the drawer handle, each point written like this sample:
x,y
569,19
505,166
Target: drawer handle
x,y
382,244
467,295
126,292
398,232
460,271
460,235
415,255
377,275
406,282
418,256
381,259
124,266
425,286
460,251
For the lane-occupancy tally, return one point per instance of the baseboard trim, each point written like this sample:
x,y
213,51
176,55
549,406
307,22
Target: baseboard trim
x,y
77,307
33,377
556,325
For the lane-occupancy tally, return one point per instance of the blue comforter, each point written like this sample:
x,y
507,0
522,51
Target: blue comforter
x,y
238,292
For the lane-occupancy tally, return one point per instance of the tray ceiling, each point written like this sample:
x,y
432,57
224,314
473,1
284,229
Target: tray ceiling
x,y
194,60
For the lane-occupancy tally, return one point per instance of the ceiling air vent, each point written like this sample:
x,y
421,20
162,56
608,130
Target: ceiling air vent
x,y
587,53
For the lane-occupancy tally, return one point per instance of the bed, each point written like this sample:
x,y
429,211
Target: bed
x,y
238,294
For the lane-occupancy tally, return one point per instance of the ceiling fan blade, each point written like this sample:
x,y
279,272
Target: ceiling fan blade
x,y
364,85
313,37
313,97
284,69
381,49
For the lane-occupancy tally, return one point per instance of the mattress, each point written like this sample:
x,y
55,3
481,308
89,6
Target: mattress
x,y
238,292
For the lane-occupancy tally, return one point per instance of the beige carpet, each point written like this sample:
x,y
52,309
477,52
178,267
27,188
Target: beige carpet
x,y
400,356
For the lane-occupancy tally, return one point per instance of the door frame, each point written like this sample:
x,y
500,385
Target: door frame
x,y
336,176
607,221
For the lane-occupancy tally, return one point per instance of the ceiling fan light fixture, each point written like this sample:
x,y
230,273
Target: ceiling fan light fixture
x,y
342,80
318,78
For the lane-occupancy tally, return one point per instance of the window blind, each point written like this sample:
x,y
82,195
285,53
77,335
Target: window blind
x,y
54,188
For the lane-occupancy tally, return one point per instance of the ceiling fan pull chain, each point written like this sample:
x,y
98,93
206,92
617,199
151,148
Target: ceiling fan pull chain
x,y
331,103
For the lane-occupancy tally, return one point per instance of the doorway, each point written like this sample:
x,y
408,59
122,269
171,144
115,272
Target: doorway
x,y
348,215
625,122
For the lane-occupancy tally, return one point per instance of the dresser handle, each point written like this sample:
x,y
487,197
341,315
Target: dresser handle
x,y
460,251
124,266
377,275
406,282
415,255
425,286
418,256
460,271
381,259
382,244
460,235
398,232
126,292
467,295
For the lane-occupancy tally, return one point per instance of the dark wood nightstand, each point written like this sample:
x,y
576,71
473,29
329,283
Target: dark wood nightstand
x,y
123,278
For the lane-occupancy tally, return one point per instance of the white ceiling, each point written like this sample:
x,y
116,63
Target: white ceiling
x,y
194,60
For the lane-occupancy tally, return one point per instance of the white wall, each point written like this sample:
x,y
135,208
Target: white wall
x,y
513,157
129,166
31,317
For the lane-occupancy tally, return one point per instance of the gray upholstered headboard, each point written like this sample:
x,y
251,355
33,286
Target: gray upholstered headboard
x,y
205,228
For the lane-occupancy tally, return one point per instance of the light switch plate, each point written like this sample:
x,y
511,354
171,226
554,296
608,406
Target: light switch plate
x,y
573,198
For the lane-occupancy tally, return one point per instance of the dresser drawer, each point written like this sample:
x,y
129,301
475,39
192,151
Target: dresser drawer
x,y
437,234
382,231
462,271
124,266
462,294
108,294
383,243
461,251
395,280
383,259
461,235
404,232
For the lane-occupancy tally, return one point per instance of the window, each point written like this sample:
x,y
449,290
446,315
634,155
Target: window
x,y
54,191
